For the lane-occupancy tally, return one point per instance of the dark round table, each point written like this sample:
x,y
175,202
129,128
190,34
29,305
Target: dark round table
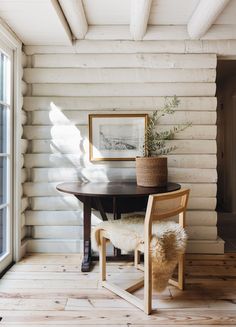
x,y
113,197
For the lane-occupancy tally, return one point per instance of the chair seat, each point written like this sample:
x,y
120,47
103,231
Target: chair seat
x,y
127,233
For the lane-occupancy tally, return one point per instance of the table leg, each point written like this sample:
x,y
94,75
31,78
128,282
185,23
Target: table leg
x,y
86,264
100,208
116,215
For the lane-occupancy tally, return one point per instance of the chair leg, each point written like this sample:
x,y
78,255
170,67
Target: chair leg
x,y
181,272
102,258
147,283
136,258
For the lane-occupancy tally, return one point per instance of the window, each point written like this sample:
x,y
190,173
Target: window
x,y
5,156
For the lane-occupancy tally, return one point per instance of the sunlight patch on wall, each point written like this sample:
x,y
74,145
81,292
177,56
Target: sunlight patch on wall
x,y
70,148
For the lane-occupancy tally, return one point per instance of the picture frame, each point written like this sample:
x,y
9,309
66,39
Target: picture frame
x,y
116,137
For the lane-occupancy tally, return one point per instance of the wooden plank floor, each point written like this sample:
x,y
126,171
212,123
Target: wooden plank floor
x,y
50,290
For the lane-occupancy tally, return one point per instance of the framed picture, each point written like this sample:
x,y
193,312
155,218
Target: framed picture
x,y
116,136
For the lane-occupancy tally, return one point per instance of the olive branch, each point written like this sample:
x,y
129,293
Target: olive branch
x,y
154,141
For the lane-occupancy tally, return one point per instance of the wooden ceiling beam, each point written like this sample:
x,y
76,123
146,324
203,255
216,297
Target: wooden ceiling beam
x,y
75,15
139,15
204,16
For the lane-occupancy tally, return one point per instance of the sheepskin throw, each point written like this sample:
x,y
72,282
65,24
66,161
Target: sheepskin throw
x,y
167,244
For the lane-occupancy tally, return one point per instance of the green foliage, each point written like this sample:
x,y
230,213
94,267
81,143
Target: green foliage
x,y
155,142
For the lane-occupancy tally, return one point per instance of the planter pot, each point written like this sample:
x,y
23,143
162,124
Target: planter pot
x,y
151,171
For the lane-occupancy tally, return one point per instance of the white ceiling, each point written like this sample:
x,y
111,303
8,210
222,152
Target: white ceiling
x,y
171,12
34,21
107,12
41,22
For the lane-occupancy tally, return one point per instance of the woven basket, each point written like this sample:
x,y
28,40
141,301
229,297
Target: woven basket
x,y
151,171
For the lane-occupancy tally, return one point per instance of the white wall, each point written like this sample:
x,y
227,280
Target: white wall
x,y
65,84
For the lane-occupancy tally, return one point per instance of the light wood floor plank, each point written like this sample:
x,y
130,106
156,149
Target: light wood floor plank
x,y
226,256
222,271
76,276
32,304
177,303
113,267
136,316
51,259
47,283
210,263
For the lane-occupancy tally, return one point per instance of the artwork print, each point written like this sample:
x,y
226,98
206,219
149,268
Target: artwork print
x,y
116,137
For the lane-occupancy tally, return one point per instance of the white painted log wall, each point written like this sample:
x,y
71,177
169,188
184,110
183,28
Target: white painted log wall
x,y
68,83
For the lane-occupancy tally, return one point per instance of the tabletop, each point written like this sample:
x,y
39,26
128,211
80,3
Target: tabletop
x,y
117,189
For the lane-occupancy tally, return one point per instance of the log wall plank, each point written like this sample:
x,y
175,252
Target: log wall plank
x,y
75,218
125,89
76,232
137,60
59,117
54,133
105,173
217,47
117,75
119,103
80,161
70,202
49,189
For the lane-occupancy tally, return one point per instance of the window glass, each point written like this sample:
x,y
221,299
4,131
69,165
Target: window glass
x,y
4,79
3,129
3,232
3,180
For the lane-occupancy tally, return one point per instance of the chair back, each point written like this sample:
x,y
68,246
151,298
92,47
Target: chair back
x,y
167,205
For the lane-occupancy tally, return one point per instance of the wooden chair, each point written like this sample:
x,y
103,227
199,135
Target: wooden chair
x,y
160,206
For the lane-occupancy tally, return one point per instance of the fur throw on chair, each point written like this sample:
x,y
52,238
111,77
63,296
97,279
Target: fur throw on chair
x,y
167,244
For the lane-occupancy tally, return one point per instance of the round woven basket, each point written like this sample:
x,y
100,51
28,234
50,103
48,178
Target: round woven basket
x,y
151,171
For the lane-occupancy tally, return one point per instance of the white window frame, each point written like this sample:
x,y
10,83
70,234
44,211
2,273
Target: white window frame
x,y
7,104
10,39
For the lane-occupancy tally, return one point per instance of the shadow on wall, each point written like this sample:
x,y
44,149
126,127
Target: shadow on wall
x,y
69,150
